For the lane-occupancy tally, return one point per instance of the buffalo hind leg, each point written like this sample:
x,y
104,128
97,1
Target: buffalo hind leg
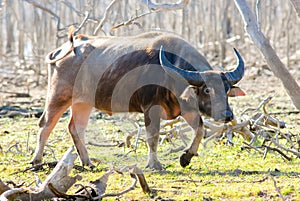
x,y
152,123
47,122
195,121
80,113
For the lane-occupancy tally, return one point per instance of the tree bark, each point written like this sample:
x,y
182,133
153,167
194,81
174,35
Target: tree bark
x,y
296,4
273,61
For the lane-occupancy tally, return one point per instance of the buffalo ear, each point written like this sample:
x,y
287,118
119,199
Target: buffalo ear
x,y
189,93
235,91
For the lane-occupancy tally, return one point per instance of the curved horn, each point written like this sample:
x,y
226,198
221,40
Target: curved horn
x,y
237,74
192,77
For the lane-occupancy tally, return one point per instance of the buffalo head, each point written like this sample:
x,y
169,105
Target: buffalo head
x,y
209,88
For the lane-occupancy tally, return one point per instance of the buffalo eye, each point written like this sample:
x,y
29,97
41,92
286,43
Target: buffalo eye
x,y
206,90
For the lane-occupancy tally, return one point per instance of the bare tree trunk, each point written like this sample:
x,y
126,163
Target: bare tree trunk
x,y
268,52
184,24
9,28
296,4
21,27
224,32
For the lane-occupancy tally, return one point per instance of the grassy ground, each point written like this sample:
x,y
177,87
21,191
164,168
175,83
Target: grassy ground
x,y
220,172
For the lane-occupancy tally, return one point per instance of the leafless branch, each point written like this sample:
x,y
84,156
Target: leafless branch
x,y
99,185
103,145
252,147
258,12
86,17
47,10
105,16
165,6
279,151
130,188
131,21
276,187
81,14
152,6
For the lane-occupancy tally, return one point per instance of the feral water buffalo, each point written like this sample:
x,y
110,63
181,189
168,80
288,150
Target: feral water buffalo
x,y
157,74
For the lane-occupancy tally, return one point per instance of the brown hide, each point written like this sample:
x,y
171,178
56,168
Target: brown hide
x,y
124,74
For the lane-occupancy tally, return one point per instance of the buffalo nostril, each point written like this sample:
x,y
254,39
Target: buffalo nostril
x,y
228,116
228,119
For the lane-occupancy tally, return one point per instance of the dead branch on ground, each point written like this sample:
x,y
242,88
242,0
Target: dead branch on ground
x,y
262,131
59,182
276,187
59,178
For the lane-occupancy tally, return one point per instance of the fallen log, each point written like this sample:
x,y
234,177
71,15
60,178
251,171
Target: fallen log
x,y
59,179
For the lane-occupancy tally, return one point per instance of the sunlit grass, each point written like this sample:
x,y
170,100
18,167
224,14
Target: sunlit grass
x,y
220,172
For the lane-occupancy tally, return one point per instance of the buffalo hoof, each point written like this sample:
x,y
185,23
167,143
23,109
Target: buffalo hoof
x,y
155,166
185,159
89,165
34,162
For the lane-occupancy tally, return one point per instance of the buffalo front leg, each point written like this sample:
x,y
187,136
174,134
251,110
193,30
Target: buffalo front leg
x,y
48,120
195,121
80,113
152,122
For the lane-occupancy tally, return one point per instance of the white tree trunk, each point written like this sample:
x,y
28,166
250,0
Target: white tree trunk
x,y
268,52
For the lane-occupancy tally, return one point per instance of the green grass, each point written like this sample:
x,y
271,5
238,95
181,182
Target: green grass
x,y
220,172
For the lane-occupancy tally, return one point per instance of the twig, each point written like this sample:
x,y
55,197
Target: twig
x,y
81,14
86,17
258,12
142,180
137,138
102,145
47,10
180,148
120,193
135,173
215,135
252,147
262,104
276,187
16,146
105,16
279,151
284,148
286,113
130,21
